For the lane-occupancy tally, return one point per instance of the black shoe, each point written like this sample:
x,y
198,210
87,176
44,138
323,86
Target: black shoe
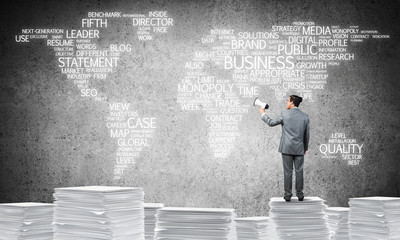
x,y
286,199
301,199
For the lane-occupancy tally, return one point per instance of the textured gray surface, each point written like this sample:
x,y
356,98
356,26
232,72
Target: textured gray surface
x,y
52,137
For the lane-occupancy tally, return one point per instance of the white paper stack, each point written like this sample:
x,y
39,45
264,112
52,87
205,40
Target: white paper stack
x,y
150,211
338,222
374,218
26,221
98,212
299,220
252,228
195,224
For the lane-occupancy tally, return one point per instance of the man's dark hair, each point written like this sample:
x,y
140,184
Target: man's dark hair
x,y
296,100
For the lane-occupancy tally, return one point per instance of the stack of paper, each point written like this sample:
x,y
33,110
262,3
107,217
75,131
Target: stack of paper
x,y
98,212
252,228
25,221
374,218
150,211
195,224
338,222
299,220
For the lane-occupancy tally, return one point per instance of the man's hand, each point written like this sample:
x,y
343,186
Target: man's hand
x,y
305,152
262,110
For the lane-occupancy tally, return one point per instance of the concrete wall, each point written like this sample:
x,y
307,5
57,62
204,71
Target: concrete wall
x,y
51,136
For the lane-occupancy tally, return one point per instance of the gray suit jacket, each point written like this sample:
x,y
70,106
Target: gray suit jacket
x,y
295,130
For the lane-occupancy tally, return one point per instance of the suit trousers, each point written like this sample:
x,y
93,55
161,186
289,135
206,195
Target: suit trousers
x,y
288,162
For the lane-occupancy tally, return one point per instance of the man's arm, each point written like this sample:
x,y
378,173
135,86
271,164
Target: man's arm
x,y
271,122
306,136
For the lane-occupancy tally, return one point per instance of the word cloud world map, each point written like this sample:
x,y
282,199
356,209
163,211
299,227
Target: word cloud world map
x,y
222,79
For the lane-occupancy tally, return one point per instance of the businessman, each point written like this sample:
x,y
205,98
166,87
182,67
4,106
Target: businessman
x,y
294,143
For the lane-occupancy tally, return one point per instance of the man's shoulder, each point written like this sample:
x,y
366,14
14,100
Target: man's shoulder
x,y
303,113
305,116
297,111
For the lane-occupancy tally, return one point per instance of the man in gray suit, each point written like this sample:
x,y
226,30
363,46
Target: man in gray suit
x,y
294,142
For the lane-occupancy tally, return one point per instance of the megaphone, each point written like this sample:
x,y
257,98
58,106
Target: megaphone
x,y
257,102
